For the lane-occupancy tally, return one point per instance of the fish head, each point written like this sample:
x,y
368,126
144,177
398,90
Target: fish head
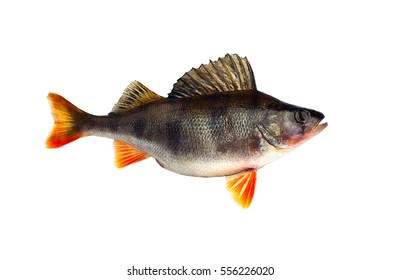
x,y
300,125
288,126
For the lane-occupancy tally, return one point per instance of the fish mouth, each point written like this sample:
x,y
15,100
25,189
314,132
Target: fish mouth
x,y
316,130
320,127
315,126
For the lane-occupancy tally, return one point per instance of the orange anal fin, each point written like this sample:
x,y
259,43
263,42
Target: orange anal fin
x,y
242,187
125,154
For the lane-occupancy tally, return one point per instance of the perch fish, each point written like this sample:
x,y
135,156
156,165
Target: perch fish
x,y
214,122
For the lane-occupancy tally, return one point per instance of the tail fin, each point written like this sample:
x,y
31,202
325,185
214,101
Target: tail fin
x,y
66,119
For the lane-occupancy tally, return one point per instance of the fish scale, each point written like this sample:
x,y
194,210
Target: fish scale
x,y
214,122
188,133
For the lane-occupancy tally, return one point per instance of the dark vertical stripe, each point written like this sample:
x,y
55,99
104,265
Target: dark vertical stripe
x,y
139,127
174,135
114,125
216,121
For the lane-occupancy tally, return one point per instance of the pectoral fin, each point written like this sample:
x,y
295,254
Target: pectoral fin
x,y
242,187
126,154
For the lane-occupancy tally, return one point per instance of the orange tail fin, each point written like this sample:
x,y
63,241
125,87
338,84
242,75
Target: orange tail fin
x,y
66,119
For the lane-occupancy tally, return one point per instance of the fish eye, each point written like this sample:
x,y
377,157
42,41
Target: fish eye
x,y
301,116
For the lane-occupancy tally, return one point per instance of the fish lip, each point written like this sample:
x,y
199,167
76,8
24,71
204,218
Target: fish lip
x,y
319,128
308,135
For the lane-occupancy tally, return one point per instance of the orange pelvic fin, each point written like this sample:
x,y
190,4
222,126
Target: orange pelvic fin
x,y
126,154
66,119
242,187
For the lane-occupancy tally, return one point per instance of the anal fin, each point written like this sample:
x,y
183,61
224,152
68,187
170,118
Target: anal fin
x,y
125,154
242,187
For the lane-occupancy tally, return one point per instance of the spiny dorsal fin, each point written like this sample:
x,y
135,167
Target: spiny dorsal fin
x,y
242,187
230,73
134,95
126,154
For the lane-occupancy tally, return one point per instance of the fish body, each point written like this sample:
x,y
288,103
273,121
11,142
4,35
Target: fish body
x,y
213,123
206,136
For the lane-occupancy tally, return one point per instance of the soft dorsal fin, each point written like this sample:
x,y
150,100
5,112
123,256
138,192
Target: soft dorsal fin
x,y
230,73
242,187
126,154
134,95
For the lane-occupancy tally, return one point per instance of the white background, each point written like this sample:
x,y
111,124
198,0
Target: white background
x,y
328,210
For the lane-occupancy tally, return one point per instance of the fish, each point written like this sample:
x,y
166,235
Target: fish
x,y
213,123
